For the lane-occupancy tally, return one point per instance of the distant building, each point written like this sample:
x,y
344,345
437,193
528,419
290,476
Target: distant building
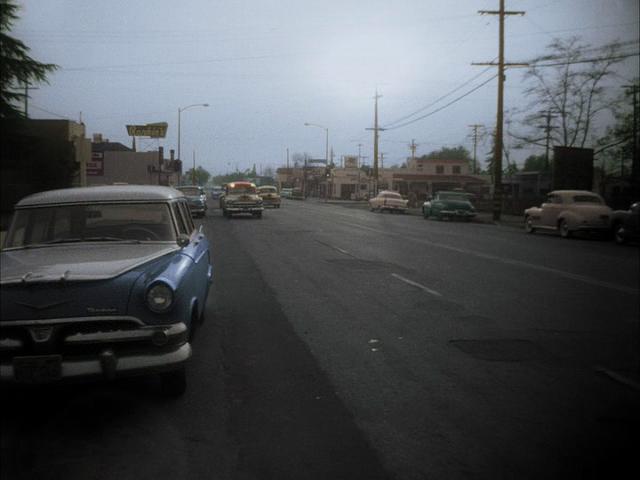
x,y
41,154
352,182
113,162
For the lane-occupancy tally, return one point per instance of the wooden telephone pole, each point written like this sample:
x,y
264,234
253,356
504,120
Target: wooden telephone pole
x,y
475,137
375,129
497,154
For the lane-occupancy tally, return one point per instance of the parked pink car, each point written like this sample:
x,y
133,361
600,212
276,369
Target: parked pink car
x,y
388,200
569,211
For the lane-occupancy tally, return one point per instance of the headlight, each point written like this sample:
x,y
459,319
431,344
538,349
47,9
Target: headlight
x,y
160,298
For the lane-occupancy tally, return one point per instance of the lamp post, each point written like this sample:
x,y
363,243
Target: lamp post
x,y
326,149
180,110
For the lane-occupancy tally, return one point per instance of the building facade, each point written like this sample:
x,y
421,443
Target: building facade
x,y
113,162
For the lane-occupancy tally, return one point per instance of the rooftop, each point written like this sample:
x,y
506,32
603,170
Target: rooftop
x,y
105,193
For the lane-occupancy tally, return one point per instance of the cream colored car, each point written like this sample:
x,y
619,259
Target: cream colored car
x,y
270,196
388,200
569,211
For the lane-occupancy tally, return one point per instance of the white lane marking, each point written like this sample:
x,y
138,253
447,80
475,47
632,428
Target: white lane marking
x,y
335,248
619,378
508,261
416,284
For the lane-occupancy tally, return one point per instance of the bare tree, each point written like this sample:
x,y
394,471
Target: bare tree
x,y
567,93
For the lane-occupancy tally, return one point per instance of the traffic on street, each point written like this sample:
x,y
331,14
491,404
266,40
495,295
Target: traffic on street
x,y
338,343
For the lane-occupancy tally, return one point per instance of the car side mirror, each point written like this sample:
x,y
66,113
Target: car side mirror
x,y
183,240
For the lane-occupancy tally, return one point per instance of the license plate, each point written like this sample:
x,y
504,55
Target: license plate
x,y
37,369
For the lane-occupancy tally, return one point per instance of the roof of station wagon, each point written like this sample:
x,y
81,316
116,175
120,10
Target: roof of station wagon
x,y
104,193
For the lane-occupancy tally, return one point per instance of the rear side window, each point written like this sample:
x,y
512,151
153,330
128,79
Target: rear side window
x,y
186,216
587,199
182,226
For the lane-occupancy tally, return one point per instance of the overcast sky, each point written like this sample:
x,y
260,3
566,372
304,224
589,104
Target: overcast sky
x,y
266,67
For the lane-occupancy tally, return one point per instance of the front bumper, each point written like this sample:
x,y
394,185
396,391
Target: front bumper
x,y
243,208
33,352
197,207
457,213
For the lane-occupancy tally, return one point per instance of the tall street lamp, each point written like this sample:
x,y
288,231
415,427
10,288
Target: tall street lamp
x,y
326,146
180,110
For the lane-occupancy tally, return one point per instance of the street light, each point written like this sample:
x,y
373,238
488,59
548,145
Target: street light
x,y
326,151
180,110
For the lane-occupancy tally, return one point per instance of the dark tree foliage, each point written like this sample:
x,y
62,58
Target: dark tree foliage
x,y
18,68
201,176
535,163
616,148
455,153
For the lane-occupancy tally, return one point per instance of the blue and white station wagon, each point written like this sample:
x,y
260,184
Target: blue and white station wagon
x,y
102,282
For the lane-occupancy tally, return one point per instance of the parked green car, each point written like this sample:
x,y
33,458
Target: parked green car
x,y
450,205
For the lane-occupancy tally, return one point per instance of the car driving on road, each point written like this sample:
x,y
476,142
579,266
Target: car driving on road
x,y
102,282
197,199
241,197
269,195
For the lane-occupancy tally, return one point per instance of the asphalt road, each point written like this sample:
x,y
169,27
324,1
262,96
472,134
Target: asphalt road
x,y
344,344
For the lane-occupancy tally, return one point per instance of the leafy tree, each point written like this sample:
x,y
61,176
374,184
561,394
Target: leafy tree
x,y
567,85
456,153
535,163
201,176
18,68
615,149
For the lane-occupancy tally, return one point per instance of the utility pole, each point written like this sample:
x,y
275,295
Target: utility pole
x,y
193,170
547,129
413,146
375,129
160,162
475,137
27,87
497,160
287,158
635,161
359,155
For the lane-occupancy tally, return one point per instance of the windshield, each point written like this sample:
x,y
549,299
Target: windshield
x,y
268,190
453,196
91,223
240,190
190,191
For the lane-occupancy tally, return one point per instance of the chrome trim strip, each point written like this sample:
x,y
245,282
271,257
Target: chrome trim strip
x,y
53,321
8,343
146,333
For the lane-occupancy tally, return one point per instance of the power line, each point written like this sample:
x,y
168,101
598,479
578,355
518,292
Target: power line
x,y
444,106
422,109
51,113
575,62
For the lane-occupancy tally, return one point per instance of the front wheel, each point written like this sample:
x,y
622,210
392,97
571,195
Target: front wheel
x,y
528,225
619,234
174,383
564,229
